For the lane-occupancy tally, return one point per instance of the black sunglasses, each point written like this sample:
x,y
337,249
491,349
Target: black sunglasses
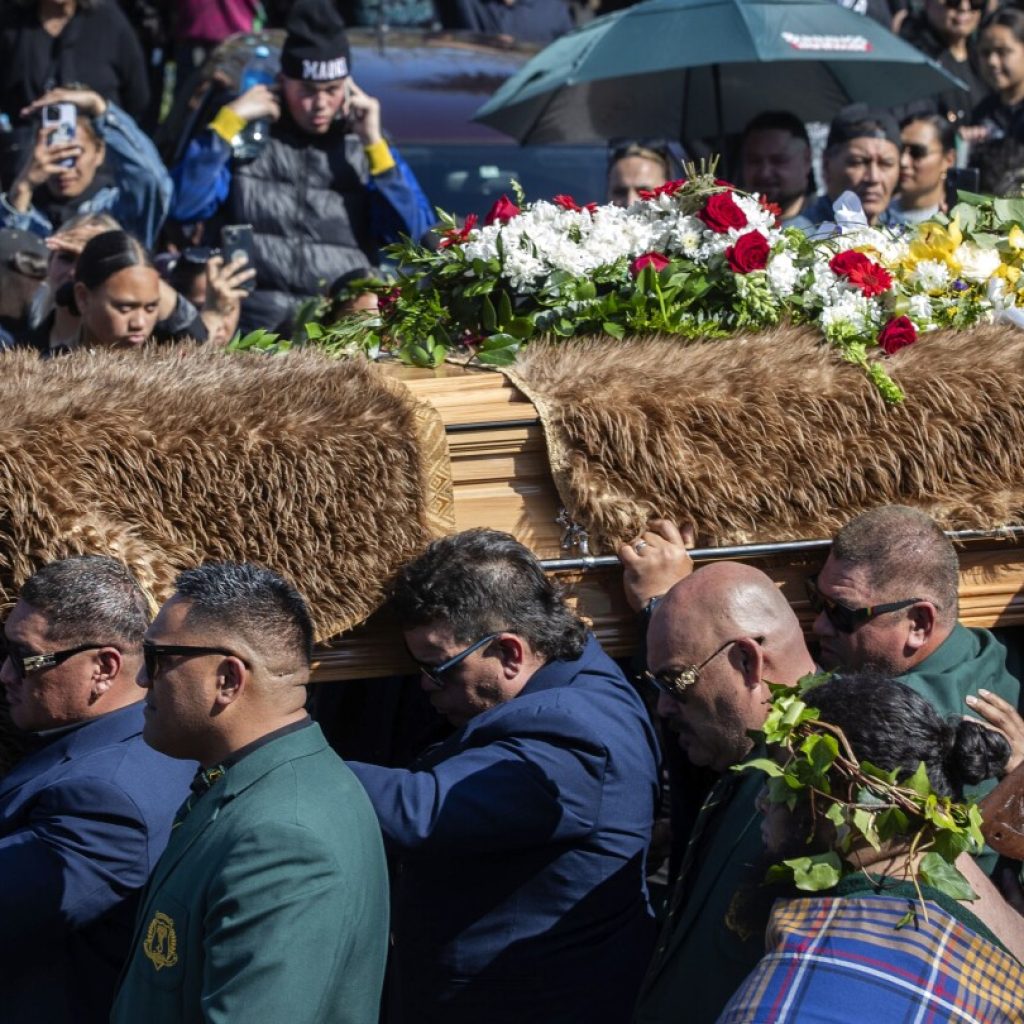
x,y
435,673
954,5
25,663
675,682
845,619
618,148
152,653
916,150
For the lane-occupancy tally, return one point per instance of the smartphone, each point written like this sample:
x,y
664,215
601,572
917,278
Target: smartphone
x,y
236,242
61,120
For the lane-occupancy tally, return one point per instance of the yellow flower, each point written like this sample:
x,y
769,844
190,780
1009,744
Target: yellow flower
x,y
1016,237
938,243
1008,272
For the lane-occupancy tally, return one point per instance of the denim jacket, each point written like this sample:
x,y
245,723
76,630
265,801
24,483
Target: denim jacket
x,y
139,199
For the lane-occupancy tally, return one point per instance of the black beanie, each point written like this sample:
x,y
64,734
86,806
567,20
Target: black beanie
x,y
316,46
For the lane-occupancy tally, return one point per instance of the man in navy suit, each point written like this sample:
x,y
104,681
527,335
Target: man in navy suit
x,y
519,844
86,813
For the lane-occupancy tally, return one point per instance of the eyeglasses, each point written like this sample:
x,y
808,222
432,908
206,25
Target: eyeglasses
x,y
845,619
24,664
954,5
917,150
152,653
675,682
435,672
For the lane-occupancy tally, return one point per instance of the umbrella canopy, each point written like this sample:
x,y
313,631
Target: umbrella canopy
x,y
698,68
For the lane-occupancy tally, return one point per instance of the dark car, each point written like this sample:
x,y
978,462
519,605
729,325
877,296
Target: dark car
x,y
429,84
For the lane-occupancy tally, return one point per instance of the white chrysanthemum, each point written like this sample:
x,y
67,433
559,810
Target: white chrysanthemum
x,y
920,310
930,275
782,274
850,308
976,264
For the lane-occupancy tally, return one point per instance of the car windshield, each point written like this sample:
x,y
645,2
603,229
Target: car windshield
x,y
468,178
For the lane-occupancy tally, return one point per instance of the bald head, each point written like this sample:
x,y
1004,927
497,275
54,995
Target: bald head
x,y
725,600
730,623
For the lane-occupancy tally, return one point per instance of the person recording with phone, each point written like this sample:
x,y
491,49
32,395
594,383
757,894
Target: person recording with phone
x,y
107,164
325,191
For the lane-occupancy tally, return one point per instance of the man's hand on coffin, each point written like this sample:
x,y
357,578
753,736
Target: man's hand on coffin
x,y
655,561
1004,717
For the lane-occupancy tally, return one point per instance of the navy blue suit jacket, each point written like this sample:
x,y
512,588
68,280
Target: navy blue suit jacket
x,y
83,820
519,846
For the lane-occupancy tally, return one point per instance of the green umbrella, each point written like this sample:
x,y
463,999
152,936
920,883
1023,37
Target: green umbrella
x,y
701,68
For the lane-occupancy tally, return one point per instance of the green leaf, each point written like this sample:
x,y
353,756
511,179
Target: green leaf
x,y
505,313
816,873
942,875
908,918
488,316
615,330
864,822
918,782
836,813
821,750
498,350
1009,209
764,764
314,331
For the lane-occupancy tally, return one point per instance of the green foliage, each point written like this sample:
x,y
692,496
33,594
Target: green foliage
x,y
862,805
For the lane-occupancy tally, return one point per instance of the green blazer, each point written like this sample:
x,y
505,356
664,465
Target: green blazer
x,y
270,903
713,937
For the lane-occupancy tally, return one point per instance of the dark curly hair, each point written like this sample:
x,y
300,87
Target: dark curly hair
x,y
892,726
484,581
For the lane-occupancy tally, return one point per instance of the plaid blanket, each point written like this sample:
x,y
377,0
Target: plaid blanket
x,y
839,959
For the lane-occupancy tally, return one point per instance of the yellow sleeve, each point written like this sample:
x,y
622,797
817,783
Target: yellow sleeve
x,y
380,157
227,124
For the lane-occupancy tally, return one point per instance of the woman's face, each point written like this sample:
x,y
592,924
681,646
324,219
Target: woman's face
x,y
954,23
1002,58
121,312
923,163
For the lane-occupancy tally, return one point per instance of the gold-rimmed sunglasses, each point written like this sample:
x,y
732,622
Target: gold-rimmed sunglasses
x,y
676,681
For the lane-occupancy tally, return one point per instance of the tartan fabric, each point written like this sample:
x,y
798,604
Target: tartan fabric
x,y
832,960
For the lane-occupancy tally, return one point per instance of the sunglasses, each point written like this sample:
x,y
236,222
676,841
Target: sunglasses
x,y
435,673
954,5
675,682
152,653
618,148
845,619
23,664
917,150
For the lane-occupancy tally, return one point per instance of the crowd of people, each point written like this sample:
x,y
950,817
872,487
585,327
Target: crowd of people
x,y
182,843
187,840
301,157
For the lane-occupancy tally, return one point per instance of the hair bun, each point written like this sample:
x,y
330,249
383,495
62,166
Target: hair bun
x,y
974,752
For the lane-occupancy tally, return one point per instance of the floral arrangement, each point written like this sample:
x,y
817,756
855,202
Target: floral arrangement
x,y
814,763
695,258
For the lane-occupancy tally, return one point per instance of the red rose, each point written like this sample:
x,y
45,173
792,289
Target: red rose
x,y
670,188
502,211
749,253
568,203
773,208
456,236
721,213
897,334
867,275
387,299
648,259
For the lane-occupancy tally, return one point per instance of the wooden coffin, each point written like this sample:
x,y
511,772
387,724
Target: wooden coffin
x,y
501,478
